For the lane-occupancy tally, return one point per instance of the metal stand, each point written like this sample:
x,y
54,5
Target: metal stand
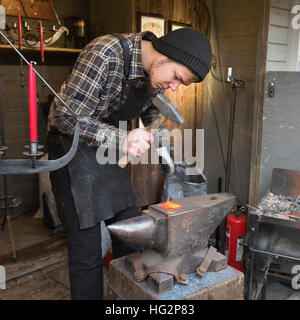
x,y
7,203
222,227
230,136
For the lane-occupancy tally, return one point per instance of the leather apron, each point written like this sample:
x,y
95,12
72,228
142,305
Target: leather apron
x,y
101,191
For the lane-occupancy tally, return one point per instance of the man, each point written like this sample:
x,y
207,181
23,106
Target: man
x,y
115,78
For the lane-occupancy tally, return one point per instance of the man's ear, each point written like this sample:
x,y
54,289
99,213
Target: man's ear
x,y
163,59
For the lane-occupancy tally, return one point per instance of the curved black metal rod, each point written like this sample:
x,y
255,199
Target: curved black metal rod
x,y
24,166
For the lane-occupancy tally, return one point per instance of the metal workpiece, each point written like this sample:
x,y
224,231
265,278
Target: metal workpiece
x,y
175,241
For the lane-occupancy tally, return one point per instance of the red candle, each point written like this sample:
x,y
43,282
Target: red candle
x,y
41,41
20,28
32,105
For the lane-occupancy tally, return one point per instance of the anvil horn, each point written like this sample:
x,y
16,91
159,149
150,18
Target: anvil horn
x,y
138,231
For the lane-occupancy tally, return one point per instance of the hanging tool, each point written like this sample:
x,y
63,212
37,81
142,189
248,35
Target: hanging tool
x,y
21,61
11,1
42,54
33,41
23,166
56,15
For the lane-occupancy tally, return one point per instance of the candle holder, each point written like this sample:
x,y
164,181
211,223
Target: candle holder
x,y
3,149
33,152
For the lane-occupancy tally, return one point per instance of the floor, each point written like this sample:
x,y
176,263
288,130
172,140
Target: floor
x,y
40,271
50,283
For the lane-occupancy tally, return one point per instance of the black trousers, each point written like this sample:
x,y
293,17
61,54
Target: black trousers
x,y
84,245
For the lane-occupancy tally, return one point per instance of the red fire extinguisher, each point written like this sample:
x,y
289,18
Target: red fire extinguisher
x,y
236,228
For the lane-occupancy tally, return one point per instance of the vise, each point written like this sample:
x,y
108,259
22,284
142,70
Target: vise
x,y
175,241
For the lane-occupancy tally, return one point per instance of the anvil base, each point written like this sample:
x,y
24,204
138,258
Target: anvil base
x,y
227,284
160,281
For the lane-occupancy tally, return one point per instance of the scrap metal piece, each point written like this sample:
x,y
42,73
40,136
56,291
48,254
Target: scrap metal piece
x,y
285,182
206,262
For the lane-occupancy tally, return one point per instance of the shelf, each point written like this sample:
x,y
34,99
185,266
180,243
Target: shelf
x,y
46,49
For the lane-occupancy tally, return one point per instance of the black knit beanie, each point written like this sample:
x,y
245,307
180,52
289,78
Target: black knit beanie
x,y
188,47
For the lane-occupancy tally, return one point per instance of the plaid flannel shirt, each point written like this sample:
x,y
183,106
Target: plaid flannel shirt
x,y
94,89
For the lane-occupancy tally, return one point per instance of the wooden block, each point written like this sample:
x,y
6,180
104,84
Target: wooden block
x,y
160,282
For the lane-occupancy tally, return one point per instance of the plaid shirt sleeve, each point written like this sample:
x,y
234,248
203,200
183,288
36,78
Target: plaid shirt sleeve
x,y
82,93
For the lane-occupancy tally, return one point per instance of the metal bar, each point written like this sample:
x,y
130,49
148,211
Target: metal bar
x,y
11,237
230,137
274,254
253,226
56,15
22,83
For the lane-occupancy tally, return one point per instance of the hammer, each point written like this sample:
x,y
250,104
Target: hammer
x,y
167,111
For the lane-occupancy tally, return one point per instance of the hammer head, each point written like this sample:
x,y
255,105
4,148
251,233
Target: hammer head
x,y
167,108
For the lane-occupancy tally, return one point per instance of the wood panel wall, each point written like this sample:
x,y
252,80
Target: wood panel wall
x,y
235,29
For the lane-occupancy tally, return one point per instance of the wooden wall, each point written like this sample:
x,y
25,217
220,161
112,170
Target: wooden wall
x,y
235,29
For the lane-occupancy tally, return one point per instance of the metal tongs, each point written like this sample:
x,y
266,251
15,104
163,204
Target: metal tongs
x,y
31,166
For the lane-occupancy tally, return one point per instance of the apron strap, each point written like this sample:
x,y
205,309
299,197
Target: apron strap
x,y
126,53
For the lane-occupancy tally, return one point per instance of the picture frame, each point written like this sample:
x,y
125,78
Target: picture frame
x,y
151,22
174,25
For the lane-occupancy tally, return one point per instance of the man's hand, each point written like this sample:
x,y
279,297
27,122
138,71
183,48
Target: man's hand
x,y
137,142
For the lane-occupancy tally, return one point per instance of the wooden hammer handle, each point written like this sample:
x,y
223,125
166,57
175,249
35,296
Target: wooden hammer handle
x,y
123,162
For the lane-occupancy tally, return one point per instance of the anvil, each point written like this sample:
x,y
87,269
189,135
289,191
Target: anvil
x,y
175,242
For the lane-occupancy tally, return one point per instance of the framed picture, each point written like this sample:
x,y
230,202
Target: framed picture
x,y
173,25
153,23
